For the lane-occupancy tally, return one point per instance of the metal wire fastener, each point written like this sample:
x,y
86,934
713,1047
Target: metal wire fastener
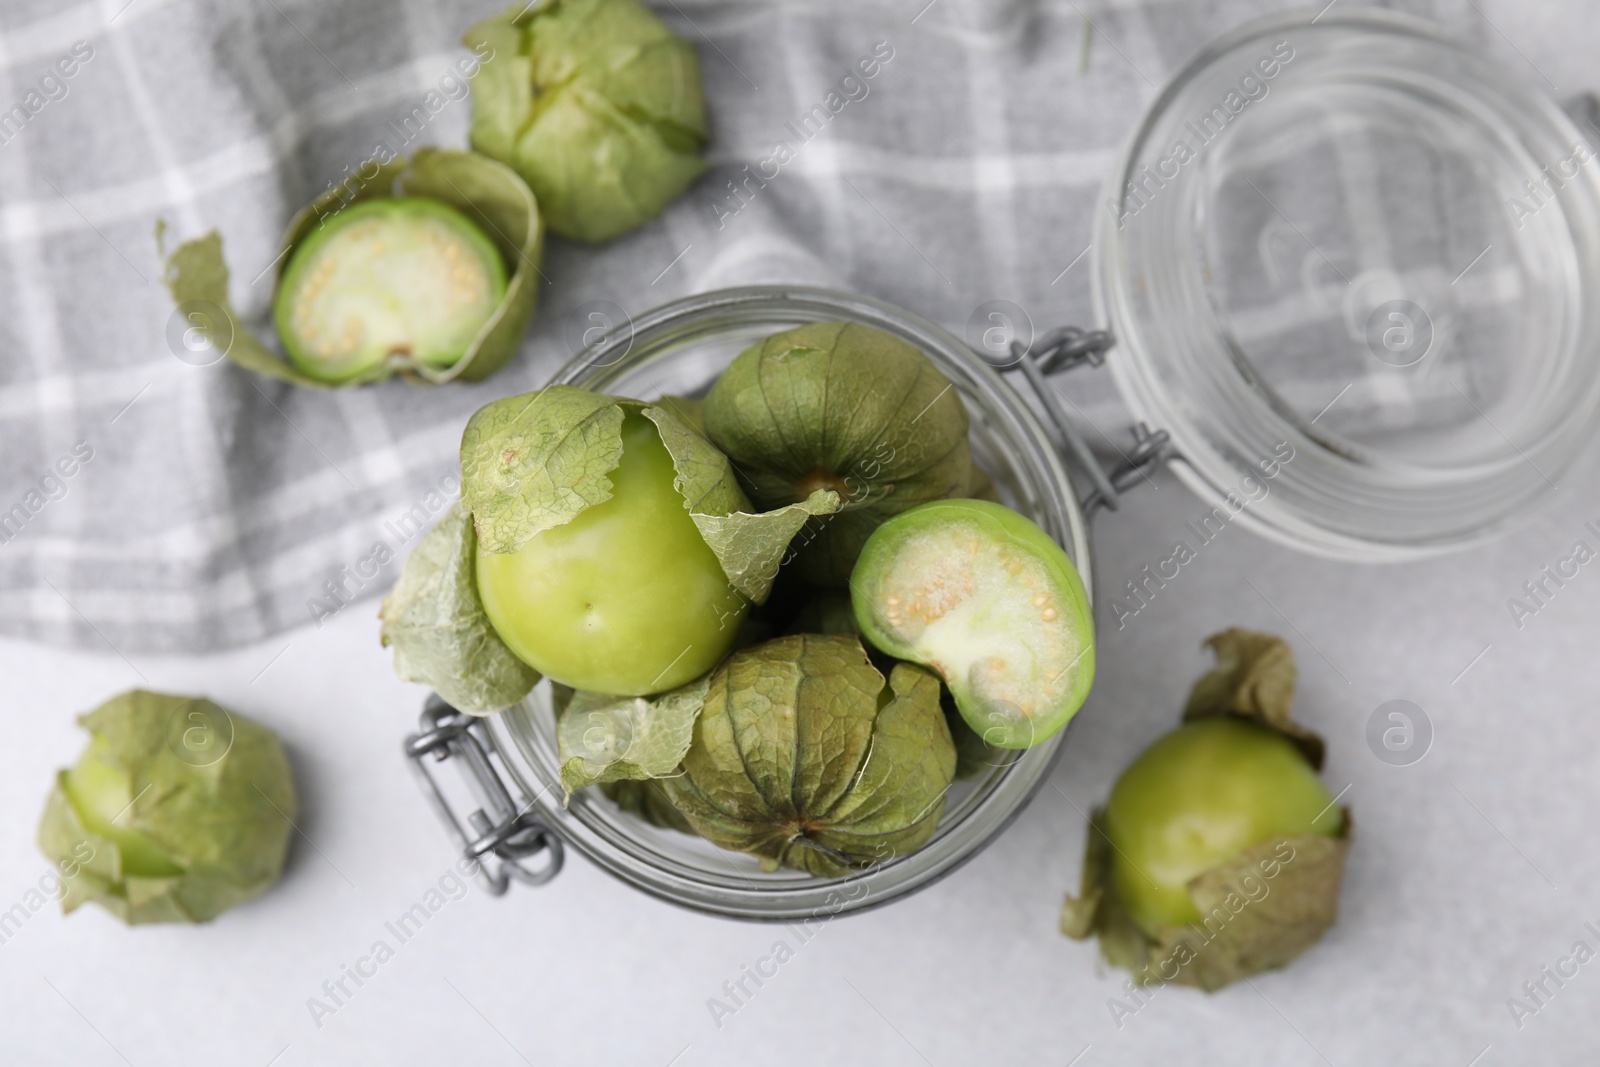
x,y
1067,348
498,828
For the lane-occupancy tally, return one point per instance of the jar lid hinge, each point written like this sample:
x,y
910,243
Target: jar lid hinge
x,y
1067,348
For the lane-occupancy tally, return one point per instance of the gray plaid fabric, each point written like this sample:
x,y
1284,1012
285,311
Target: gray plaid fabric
x,y
156,505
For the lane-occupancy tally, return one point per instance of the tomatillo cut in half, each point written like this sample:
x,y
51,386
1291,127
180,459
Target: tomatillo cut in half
x,y
989,601
1195,800
403,276
627,597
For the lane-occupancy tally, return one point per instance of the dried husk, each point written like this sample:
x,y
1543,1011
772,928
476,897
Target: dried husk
x,y
806,756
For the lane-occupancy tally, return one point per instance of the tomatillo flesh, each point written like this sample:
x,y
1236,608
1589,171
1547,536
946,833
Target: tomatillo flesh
x,y
405,278
987,599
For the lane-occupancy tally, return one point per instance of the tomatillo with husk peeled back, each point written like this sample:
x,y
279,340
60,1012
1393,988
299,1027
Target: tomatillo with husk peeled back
x,y
600,540
625,598
1219,853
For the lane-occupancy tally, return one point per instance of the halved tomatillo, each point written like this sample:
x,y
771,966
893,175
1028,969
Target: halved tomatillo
x,y
986,598
403,277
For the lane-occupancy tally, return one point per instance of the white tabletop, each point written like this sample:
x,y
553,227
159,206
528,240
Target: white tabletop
x,y
1471,870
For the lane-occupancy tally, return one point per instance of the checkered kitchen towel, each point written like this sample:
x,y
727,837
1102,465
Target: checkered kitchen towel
x,y
154,505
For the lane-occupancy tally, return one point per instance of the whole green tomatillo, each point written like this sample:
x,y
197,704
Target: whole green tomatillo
x,y
596,104
805,755
1196,799
176,810
846,407
1219,853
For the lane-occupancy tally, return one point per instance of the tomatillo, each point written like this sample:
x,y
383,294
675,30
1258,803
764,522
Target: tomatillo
x,y
625,598
987,599
1195,800
177,810
402,276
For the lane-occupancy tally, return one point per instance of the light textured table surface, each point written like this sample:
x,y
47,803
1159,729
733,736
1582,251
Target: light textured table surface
x,y
1472,869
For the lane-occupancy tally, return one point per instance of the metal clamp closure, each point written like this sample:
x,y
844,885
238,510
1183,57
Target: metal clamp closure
x,y
1067,348
498,828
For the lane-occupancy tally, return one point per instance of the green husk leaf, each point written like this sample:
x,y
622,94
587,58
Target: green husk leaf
x,y
533,462
500,202
1261,911
596,104
847,407
1240,936
1096,910
805,756
489,193
605,738
1253,679
751,546
197,274
224,817
647,800
705,478
435,620
1081,914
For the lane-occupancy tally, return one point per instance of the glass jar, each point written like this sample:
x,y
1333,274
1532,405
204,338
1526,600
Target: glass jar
x,y
1340,254
680,349
1352,236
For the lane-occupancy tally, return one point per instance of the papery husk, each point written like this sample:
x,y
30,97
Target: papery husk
x,y
225,820
534,462
489,193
